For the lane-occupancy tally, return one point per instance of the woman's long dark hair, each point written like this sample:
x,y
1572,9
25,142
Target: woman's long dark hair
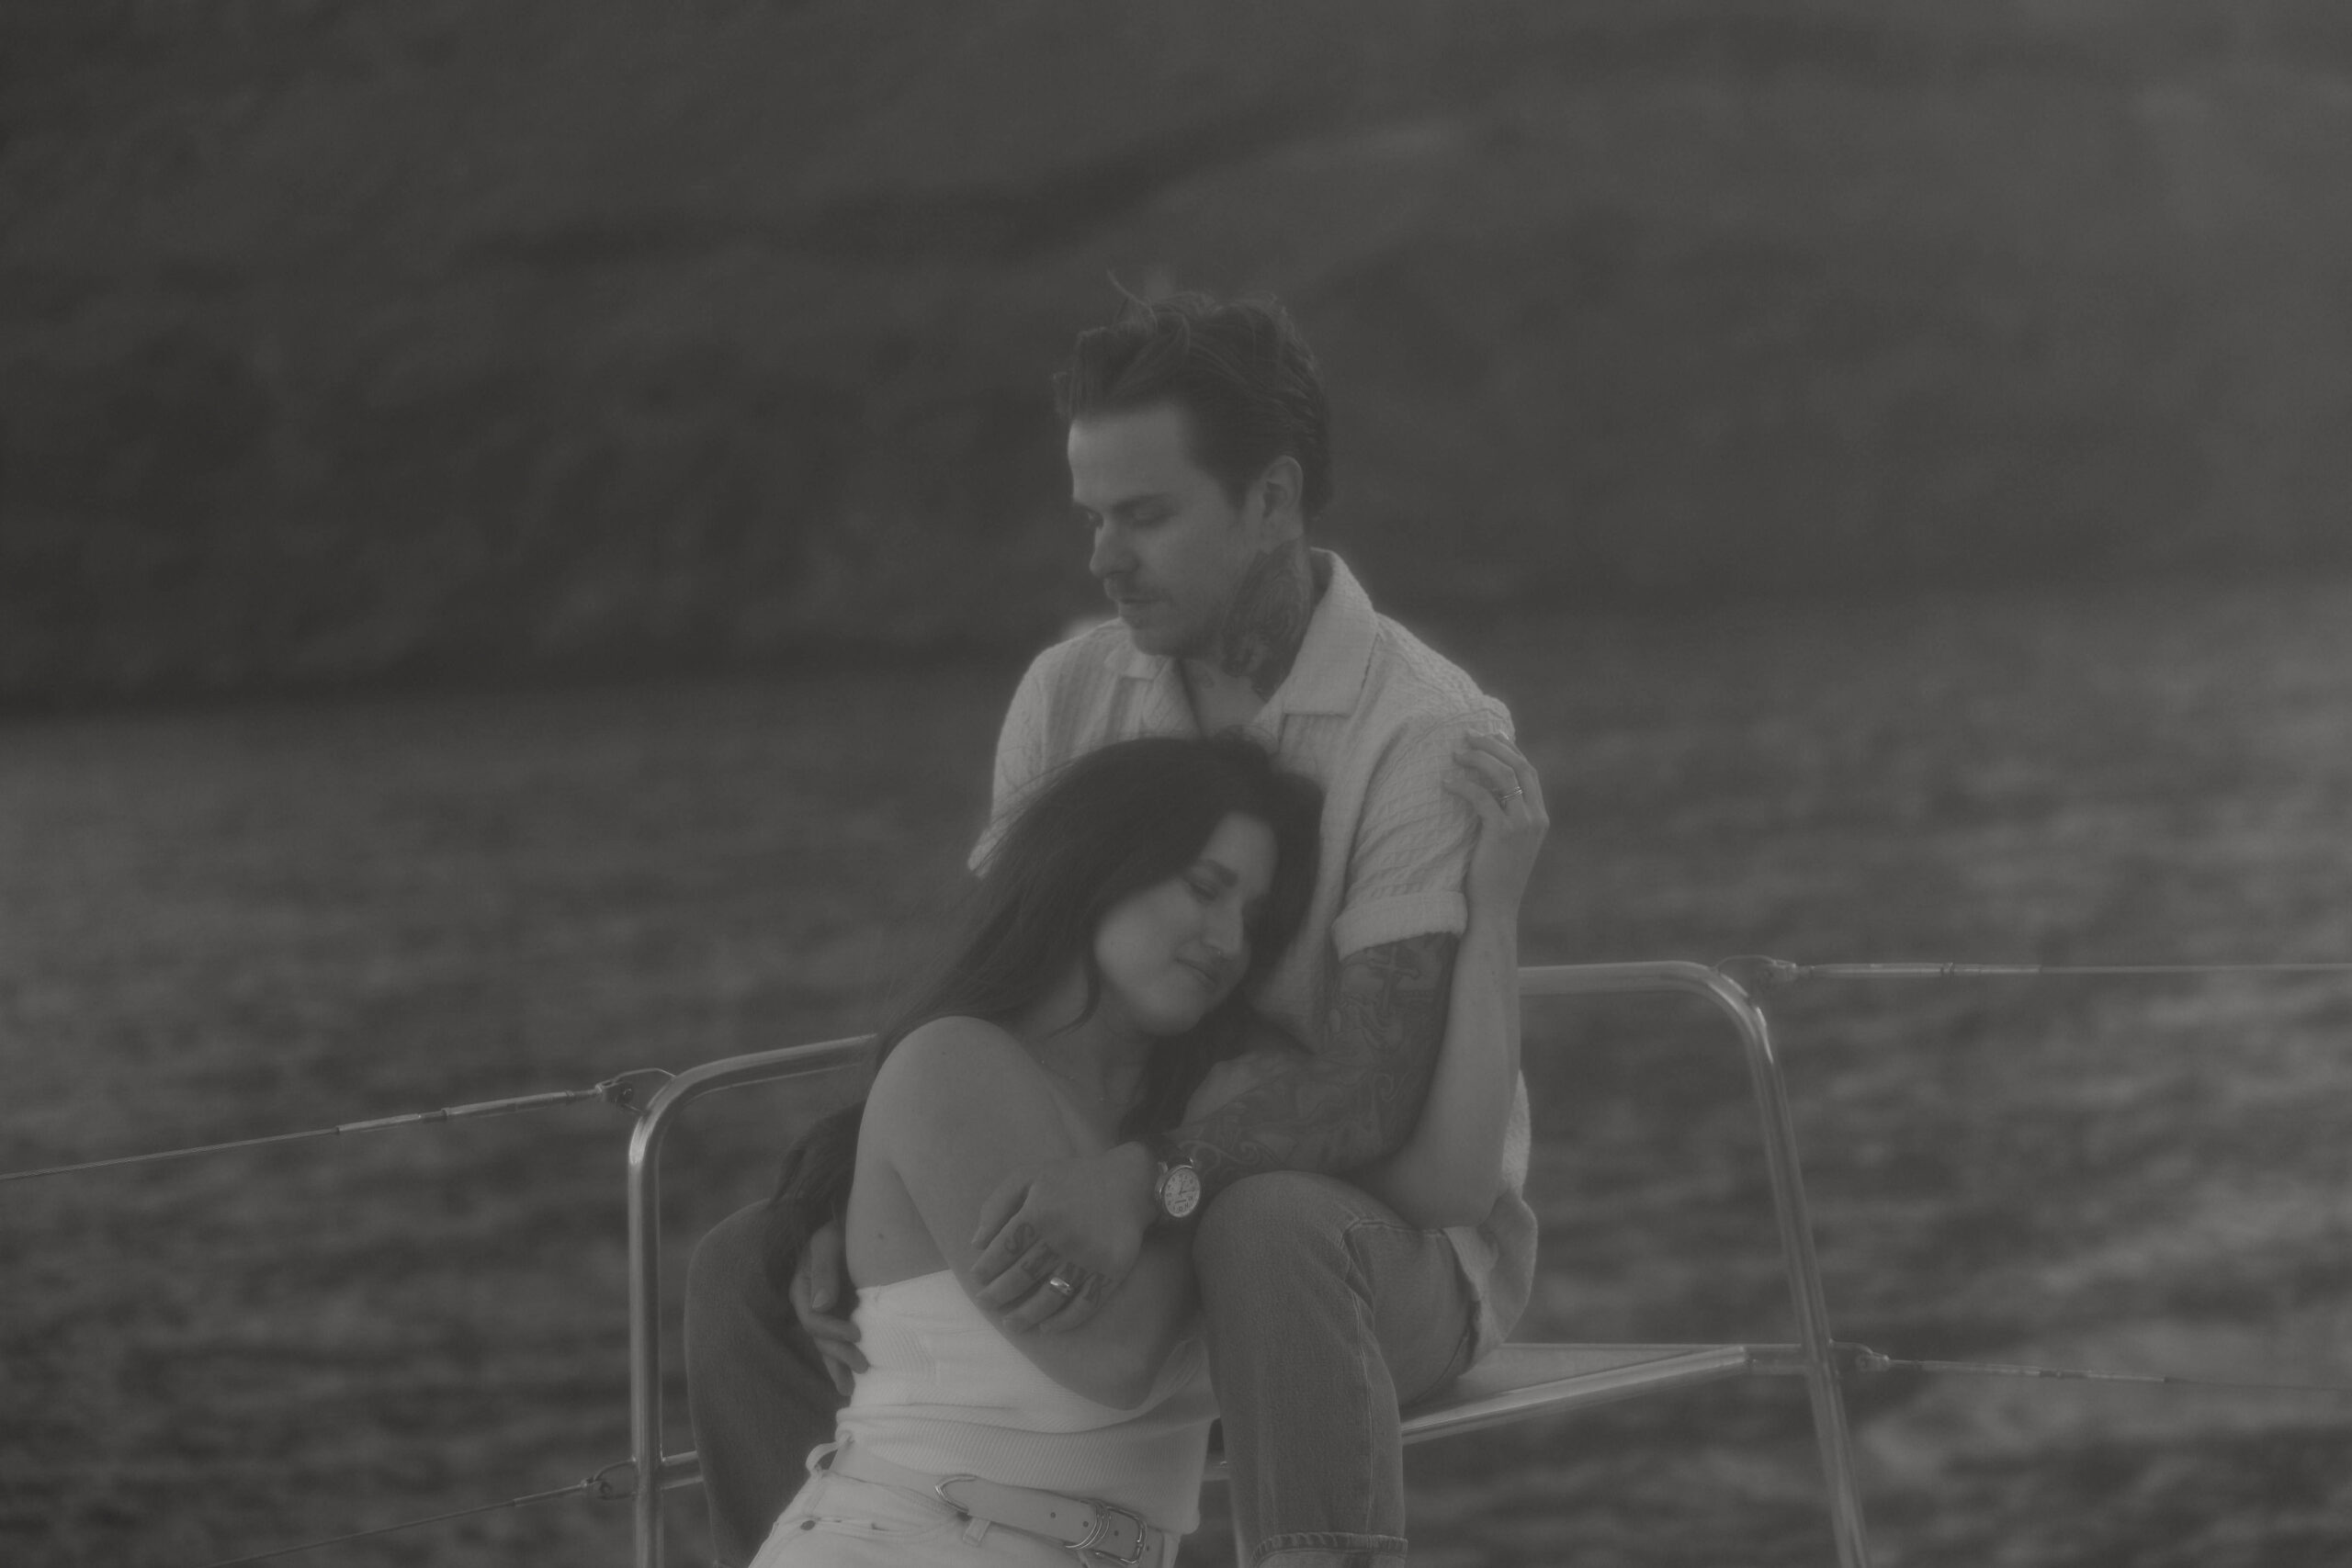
x,y
1115,821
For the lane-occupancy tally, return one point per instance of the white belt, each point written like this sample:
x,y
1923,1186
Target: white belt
x,y
1110,1533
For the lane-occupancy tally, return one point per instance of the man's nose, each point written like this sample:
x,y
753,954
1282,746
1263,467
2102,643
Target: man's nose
x,y
1110,555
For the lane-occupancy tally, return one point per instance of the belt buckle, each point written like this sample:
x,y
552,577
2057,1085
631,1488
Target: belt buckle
x,y
1102,1511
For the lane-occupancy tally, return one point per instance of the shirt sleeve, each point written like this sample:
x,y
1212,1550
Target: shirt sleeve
x,y
1022,747
1412,845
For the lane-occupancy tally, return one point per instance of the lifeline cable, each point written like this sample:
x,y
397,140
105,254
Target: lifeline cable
x,y
626,1091
597,1487
1873,1361
1781,972
578,1488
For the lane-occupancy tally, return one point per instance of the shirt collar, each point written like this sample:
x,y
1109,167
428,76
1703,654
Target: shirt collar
x,y
1332,657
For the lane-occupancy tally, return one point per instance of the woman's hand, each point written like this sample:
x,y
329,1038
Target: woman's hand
x,y
1449,1171
1501,786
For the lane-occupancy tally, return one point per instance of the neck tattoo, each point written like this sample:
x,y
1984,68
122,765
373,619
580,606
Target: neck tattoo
x,y
1261,637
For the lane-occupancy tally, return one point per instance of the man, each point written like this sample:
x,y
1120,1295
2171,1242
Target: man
x,y
1199,452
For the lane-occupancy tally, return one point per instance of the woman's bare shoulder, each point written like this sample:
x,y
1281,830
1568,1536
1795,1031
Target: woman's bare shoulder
x,y
954,1064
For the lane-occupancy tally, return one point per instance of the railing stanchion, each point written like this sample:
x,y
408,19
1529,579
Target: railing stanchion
x,y
1822,1376
645,1336
645,1251
1823,1381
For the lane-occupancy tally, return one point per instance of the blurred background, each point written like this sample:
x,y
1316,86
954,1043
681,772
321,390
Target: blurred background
x,y
340,339
518,522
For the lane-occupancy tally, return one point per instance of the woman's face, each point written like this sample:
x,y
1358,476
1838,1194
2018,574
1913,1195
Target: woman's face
x,y
1172,952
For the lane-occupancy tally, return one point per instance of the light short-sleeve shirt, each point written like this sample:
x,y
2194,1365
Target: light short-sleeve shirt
x,y
1372,715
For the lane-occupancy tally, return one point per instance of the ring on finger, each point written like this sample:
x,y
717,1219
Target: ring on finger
x,y
1062,1287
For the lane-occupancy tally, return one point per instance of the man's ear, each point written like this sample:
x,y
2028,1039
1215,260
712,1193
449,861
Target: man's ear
x,y
1279,490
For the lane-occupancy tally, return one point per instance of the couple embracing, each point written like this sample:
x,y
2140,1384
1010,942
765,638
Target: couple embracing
x,y
1213,1112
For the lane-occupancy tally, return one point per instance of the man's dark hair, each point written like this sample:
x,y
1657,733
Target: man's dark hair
x,y
1241,371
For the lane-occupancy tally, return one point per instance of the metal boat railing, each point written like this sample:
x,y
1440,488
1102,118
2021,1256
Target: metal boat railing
x,y
1516,1382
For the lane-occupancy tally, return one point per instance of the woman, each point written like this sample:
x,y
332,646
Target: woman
x,y
1117,929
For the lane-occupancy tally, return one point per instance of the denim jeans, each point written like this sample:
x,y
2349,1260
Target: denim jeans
x,y
1325,1313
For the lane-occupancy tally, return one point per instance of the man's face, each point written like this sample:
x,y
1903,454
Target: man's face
x,y
1169,545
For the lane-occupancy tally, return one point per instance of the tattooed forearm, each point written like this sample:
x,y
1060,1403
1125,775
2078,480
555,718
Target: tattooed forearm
x,y
1262,631
1356,1096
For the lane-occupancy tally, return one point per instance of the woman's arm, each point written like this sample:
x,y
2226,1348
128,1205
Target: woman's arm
x,y
956,1107
1450,1171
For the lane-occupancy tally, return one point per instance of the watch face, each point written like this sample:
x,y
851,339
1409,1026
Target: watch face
x,y
1180,1192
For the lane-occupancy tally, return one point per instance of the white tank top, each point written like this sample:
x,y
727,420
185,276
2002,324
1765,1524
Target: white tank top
x,y
945,1393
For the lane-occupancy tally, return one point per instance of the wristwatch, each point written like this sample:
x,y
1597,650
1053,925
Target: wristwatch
x,y
1178,1185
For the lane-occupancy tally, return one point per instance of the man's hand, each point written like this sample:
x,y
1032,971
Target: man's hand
x,y
1081,1220
820,1284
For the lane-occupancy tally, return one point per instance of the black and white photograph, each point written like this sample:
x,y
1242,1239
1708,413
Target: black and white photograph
x,y
1260,784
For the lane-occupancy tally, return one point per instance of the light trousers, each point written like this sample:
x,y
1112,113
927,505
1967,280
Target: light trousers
x,y
835,1521
1324,1312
